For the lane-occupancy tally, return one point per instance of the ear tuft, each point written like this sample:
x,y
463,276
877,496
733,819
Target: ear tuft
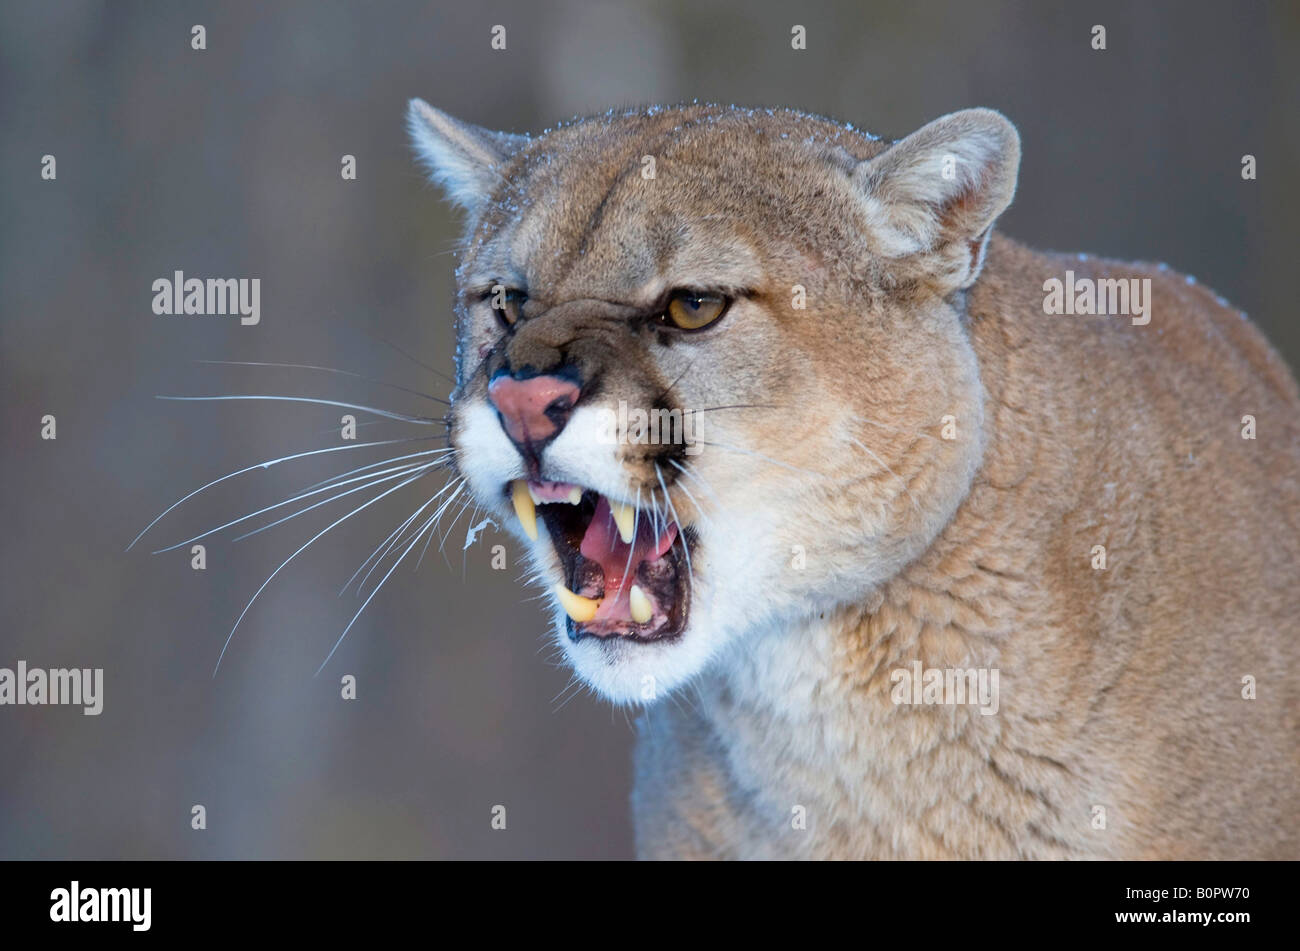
x,y
935,194
462,158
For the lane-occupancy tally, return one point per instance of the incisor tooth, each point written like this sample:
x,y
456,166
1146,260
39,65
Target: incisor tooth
x,y
642,609
524,507
625,519
575,605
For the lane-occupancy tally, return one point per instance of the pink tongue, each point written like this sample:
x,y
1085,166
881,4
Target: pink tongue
x,y
603,545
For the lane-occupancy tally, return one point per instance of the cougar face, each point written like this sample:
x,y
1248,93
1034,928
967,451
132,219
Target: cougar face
x,y
706,358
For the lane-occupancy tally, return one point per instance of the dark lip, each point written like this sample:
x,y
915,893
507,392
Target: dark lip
x,y
564,522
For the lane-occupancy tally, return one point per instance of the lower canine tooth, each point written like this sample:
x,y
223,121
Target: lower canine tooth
x,y
575,605
642,609
625,519
524,507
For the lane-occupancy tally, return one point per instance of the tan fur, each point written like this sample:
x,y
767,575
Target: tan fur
x,y
1121,689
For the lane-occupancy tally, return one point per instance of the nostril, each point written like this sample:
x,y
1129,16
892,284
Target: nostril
x,y
559,410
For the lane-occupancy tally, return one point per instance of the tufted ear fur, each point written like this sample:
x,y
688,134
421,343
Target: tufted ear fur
x,y
932,197
464,159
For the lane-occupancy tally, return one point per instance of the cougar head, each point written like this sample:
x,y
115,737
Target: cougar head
x,y
704,361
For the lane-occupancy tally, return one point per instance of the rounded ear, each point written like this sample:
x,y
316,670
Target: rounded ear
x,y
464,159
933,196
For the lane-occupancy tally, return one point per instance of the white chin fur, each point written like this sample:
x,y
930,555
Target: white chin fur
x,y
628,673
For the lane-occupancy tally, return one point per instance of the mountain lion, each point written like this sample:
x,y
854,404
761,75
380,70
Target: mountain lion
x,y
940,568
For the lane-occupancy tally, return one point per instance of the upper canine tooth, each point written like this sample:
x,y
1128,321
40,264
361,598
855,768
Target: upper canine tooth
x,y
625,519
522,498
575,605
575,496
642,609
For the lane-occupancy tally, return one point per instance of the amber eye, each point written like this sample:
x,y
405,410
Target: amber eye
x,y
507,303
693,310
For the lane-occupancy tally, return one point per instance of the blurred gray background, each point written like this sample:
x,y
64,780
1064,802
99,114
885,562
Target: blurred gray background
x,y
225,163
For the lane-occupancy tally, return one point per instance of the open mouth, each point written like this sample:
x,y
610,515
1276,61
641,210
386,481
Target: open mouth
x,y
625,571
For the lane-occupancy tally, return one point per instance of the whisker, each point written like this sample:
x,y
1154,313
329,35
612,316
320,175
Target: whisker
x,y
636,518
389,414
433,524
389,343
910,496
375,480
266,465
443,450
378,587
312,366
578,687
563,690
390,541
681,531
442,544
307,545
698,480
279,504
434,529
714,409
695,502
653,515
387,545
681,376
